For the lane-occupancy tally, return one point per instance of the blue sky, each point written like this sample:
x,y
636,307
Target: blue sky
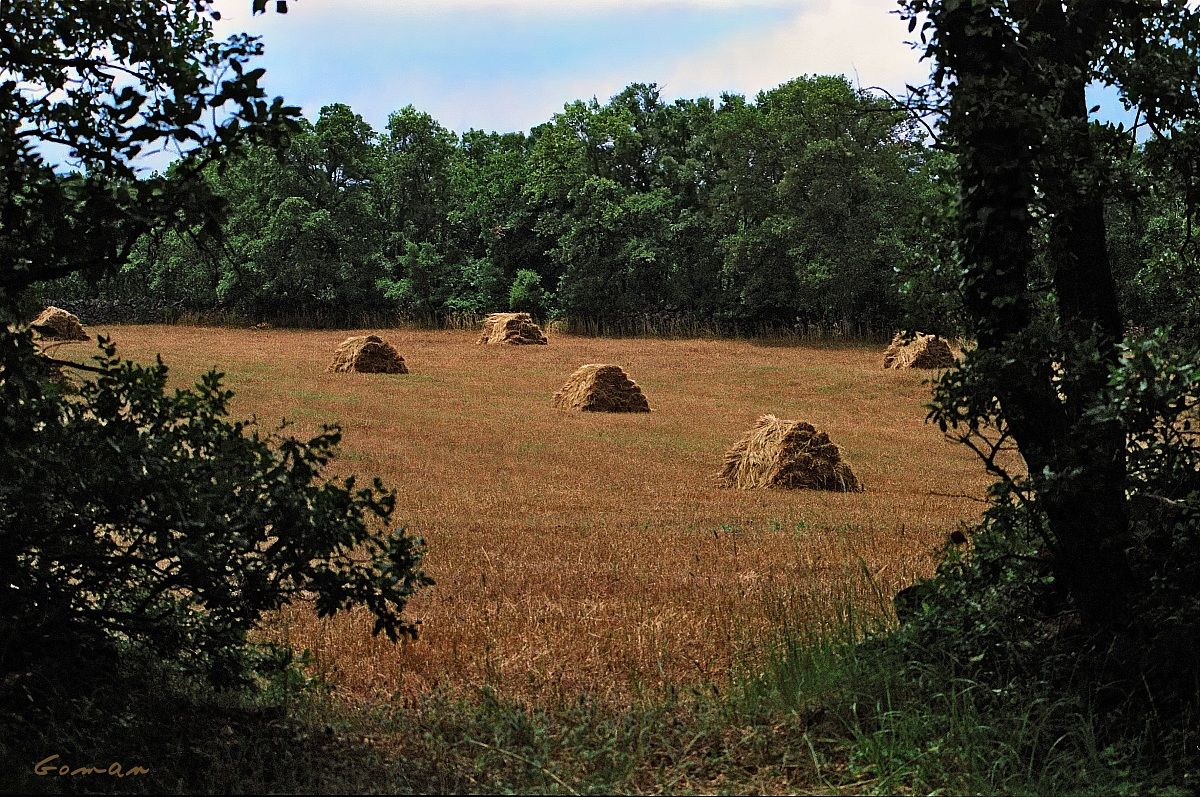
x,y
510,64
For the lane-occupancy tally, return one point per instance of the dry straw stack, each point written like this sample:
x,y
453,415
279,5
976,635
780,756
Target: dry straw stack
x,y
367,354
54,323
513,329
923,351
787,454
601,388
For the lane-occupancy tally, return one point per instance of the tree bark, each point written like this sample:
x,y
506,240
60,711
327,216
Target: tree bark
x,y
1019,116
1091,496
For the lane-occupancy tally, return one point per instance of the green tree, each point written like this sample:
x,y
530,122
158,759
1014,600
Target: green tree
x,y
1152,244
84,87
824,184
527,294
298,233
313,240
129,514
413,188
1033,175
490,220
608,184
926,263
447,211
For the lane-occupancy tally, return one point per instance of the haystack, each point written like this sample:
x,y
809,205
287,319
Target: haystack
x,y
367,354
514,329
601,388
788,454
54,323
923,351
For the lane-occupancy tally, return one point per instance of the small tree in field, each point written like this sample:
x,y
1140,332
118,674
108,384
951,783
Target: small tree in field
x,y
128,513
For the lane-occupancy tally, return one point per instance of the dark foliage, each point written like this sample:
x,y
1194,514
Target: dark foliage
x,y
136,515
131,517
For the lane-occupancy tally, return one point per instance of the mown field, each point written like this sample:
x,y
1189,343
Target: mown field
x,y
596,553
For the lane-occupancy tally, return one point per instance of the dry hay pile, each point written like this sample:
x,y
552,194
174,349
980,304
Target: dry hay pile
x,y
514,329
601,388
367,354
923,351
54,323
788,454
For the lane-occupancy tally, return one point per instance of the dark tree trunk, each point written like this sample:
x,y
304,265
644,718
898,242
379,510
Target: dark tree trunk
x,y
1019,117
1091,495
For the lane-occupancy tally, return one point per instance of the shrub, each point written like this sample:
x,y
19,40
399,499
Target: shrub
x,y
133,515
527,294
998,617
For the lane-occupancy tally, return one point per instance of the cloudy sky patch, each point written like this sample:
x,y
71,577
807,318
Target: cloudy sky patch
x,y
510,64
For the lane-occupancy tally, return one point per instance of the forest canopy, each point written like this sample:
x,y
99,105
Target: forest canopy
x,y
814,206
809,205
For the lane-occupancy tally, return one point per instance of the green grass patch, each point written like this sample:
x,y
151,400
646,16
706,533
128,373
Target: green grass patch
x,y
526,447
838,708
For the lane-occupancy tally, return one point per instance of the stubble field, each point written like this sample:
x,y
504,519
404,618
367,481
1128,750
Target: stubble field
x,y
579,552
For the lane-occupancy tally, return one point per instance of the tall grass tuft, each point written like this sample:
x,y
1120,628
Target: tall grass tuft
x,y
881,716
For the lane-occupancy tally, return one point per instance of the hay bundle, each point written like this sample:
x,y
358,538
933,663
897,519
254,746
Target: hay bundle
x,y
788,454
367,354
923,351
601,388
514,329
54,323
893,349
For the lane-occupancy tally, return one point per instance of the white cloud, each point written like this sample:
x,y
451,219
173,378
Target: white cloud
x,y
857,38
346,55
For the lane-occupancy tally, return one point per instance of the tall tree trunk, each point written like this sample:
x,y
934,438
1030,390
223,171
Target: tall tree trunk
x,y
1010,110
1091,491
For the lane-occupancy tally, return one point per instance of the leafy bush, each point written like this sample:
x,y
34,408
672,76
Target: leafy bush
x,y
527,294
998,616
130,514
1156,392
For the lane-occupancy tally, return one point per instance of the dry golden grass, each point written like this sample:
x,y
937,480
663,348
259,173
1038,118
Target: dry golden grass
x,y
595,551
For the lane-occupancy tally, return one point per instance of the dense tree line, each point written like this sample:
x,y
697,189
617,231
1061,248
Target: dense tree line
x,y
812,206
804,206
